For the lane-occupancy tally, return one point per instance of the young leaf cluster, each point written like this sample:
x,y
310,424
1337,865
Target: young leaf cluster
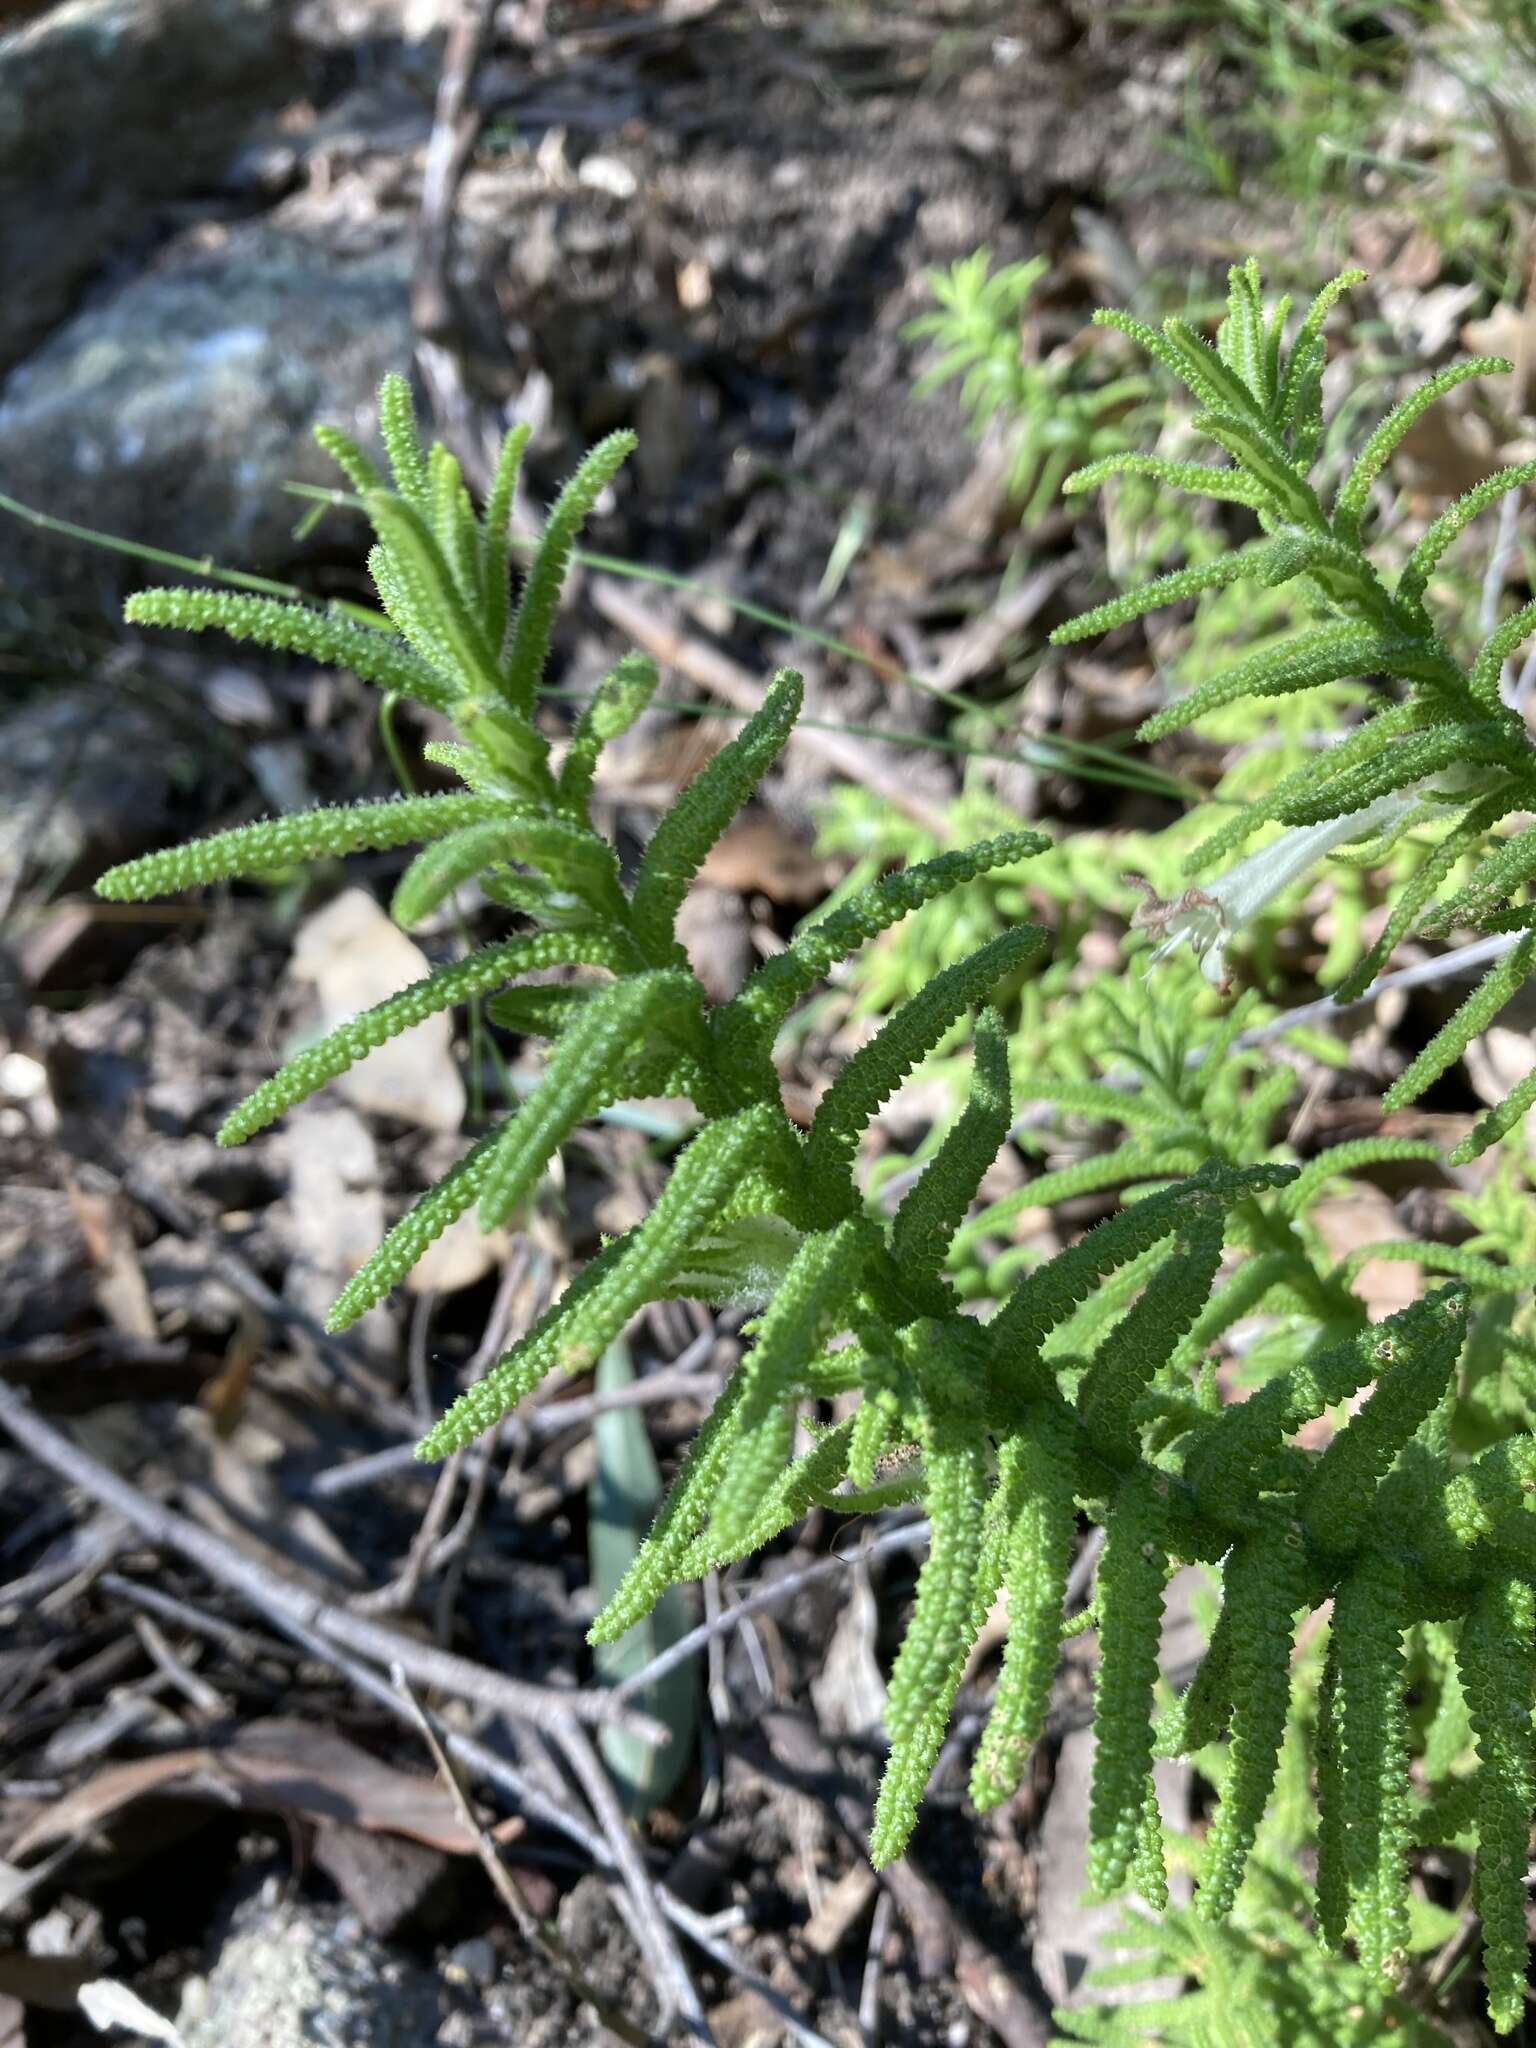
x,y
748,1193
1053,419
1438,741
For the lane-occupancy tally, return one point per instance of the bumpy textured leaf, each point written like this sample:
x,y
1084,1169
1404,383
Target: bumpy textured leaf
x,y
816,1298
1373,457
535,617
1048,1296
659,1562
426,581
878,1068
1415,1355
1456,517
497,534
1132,1573
1264,1582
342,1048
1039,1507
1450,740
1370,1728
276,843
1324,655
603,1032
1226,1462
1457,1033
1077,1395
612,1287
1125,1362
686,833
930,1214
422,1224
1260,560
1497,1656
618,701
576,860
770,990
296,629
397,430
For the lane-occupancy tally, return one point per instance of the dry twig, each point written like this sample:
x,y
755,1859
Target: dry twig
x,y
552,1809
536,1932
673,1982
843,753
911,1536
284,1604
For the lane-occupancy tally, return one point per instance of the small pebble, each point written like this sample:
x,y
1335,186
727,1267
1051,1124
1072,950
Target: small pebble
x,y
472,1962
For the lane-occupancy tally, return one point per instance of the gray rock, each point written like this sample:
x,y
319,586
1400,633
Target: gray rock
x,y
86,778
294,1975
45,1272
108,108
173,411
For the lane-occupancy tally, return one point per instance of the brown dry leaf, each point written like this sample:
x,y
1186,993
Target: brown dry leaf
x,y
1364,1216
120,1290
317,1773
1449,449
51,1982
224,1396
273,1766
758,854
105,1793
1508,331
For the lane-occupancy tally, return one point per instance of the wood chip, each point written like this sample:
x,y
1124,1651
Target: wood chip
x,y
832,1922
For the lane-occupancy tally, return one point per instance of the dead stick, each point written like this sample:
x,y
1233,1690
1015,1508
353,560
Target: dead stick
x,y
671,1384
655,1936
734,685
536,1932
282,1602
911,1537
439,336
560,1817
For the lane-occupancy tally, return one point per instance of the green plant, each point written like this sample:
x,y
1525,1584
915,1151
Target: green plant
x,y
1088,1390
1315,105
1258,1980
1053,419
1447,750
